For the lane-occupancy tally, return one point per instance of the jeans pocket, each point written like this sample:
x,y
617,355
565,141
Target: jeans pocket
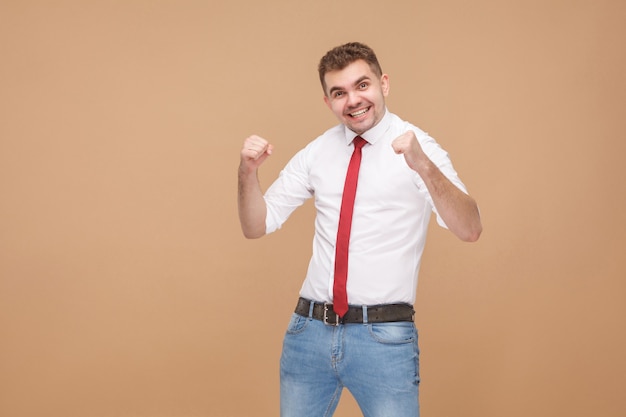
x,y
297,324
393,333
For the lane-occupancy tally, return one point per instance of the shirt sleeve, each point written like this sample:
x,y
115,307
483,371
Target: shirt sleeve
x,y
288,192
440,158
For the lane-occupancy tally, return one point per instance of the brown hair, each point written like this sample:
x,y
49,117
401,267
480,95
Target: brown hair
x,y
341,56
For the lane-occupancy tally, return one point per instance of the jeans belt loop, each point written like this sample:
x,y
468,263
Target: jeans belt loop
x,y
364,314
311,306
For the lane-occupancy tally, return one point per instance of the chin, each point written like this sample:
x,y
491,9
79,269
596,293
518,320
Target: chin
x,y
359,128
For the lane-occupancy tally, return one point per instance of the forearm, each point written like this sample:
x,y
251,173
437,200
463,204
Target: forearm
x,y
458,210
252,208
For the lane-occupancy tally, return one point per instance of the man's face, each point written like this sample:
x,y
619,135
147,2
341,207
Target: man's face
x,y
356,95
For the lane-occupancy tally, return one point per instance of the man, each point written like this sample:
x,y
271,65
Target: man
x,y
375,236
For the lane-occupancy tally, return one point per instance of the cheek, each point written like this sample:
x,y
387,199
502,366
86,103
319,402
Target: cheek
x,y
376,97
337,108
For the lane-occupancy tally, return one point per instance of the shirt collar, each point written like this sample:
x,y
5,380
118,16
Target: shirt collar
x,y
372,135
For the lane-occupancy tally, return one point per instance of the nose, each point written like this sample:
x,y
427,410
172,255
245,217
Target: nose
x,y
353,99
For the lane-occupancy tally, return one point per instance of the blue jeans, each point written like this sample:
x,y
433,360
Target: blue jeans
x,y
377,362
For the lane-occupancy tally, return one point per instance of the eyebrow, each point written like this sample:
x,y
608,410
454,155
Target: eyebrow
x,y
357,82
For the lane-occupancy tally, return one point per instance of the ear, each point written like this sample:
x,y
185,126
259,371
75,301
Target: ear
x,y
384,84
327,101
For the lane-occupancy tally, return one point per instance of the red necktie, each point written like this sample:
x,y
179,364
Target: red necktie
x,y
340,295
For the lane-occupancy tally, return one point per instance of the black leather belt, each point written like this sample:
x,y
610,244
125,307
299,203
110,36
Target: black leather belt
x,y
383,313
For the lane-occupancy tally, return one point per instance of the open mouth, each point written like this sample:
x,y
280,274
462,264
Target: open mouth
x,y
359,113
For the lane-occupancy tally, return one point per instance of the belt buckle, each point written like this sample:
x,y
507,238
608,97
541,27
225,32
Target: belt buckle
x,y
325,318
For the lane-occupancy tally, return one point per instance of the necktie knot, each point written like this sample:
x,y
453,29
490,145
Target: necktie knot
x,y
359,142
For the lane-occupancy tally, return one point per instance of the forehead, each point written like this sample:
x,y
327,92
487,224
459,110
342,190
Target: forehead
x,y
348,76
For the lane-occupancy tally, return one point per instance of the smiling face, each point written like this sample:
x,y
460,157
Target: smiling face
x,y
356,95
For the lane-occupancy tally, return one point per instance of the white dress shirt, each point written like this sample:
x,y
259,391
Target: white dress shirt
x,y
391,211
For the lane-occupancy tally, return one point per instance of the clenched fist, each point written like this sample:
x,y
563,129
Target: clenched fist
x,y
408,145
254,152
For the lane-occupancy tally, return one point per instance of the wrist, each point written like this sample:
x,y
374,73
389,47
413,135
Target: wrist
x,y
424,166
245,170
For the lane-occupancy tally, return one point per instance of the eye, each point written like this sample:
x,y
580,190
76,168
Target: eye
x,y
337,94
363,86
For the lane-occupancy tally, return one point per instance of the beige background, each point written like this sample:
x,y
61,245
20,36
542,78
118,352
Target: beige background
x,y
126,287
